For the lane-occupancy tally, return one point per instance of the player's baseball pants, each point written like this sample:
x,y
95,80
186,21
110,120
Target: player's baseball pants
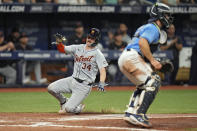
x,y
10,74
69,85
134,67
36,65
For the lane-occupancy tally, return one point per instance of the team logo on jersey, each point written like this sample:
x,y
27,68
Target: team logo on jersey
x,y
82,58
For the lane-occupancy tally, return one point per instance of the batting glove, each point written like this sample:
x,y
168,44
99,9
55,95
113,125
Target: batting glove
x,y
101,86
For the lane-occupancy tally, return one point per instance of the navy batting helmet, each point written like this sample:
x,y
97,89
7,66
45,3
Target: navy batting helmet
x,y
162,12
94,33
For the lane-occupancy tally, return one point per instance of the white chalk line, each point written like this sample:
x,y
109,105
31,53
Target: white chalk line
x,y
116,116
6,121
50,124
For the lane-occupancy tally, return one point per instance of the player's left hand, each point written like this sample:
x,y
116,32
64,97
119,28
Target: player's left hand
x,y
101,86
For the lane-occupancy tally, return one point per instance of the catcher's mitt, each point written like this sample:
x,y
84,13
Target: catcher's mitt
x,y
59,38
167,66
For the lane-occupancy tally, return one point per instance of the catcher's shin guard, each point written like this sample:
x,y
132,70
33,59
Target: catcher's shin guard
x,y
134,100
143,96
148,94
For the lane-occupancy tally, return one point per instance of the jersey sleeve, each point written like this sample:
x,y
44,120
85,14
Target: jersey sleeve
x,y
150,34
100,60
70,49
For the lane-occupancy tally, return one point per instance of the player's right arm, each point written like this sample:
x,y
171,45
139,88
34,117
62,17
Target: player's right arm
x,y
145,49
9,45
61,47
148,36
2,48
66,49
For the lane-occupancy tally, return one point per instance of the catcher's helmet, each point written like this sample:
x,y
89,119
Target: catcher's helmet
x,y
162,12
94,33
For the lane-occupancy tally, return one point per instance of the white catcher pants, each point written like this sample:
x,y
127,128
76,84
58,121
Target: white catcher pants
x,y
134,67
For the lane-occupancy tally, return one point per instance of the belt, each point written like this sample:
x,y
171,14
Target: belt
x,y
137,52
128,49
81,81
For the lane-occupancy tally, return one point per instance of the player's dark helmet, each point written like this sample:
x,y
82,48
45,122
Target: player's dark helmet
x,y
162,12
94,33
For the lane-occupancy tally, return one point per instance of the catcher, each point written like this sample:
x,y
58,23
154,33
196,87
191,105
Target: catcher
x,y
88,60
132,64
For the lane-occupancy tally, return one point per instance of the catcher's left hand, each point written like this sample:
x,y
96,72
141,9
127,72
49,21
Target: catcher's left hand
x,y
167,66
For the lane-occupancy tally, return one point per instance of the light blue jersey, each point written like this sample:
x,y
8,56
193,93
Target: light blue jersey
x,y
149,31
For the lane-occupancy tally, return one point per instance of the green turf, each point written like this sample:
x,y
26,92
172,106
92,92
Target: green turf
x,y
191,129
171,101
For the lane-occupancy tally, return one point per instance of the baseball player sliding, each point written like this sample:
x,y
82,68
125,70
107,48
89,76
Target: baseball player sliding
x,y
87,61
133,65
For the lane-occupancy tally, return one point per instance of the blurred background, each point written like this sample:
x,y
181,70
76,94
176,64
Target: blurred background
x,y
27,57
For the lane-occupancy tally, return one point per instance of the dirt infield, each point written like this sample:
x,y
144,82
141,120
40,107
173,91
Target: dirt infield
x,y
87,122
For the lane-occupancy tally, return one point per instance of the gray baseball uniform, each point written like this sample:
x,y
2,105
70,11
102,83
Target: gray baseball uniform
x,y
86,65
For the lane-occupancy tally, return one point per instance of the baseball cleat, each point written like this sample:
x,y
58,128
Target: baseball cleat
x,y
80,107
145,117
62,110
138,120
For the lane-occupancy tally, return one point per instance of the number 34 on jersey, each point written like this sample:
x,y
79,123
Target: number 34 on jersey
x,y
84,59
